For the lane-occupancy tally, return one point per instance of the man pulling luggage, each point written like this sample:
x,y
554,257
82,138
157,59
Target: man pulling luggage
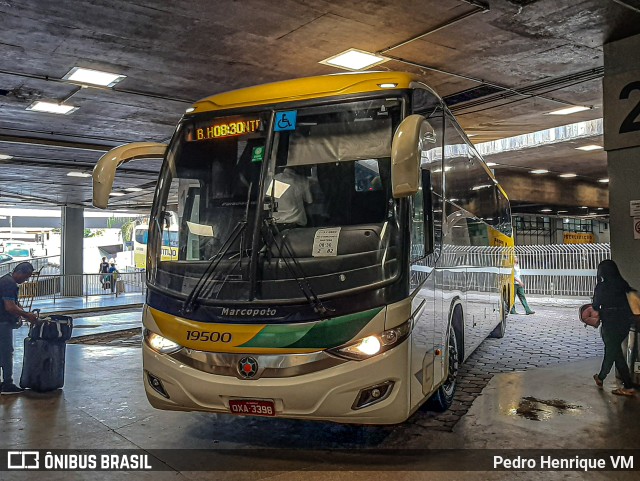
x,y
10,318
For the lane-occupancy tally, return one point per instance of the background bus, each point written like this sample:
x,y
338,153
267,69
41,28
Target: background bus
x,y
342,248
141,238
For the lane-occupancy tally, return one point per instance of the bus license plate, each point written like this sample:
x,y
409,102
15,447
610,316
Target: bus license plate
x,y
252,407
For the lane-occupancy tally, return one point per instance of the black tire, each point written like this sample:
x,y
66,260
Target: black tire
x,y
442,399
500,329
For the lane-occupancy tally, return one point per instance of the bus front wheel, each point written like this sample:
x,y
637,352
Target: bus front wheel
x,y
442,399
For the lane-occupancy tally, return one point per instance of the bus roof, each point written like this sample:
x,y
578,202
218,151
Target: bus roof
x,y
304,89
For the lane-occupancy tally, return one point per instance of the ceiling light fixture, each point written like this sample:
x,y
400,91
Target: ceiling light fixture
x,y
545,210
116,194
603,181
567,176
570,110
354,59
563,212
133,189
74,173
6,157
51,107
86,76
539,171
588,148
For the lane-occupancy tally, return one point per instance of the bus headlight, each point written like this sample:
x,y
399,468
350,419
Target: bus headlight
x,y
160,344
373,345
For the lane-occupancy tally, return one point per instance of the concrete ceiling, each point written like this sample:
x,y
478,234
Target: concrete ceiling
x,y
499,70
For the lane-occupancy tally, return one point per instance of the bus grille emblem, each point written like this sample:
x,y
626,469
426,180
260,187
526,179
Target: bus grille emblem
x,y
248,367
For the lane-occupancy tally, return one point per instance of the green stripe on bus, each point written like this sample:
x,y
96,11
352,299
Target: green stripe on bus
x,y
322,334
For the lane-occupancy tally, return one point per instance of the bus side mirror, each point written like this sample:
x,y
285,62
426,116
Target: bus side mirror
x,y
406,154
105,170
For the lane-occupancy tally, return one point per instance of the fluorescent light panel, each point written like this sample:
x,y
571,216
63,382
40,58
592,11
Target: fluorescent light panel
x,y
604,181
78,174
51,107
5,157
88,76
570,110
354,59
539,171
588,148
567,176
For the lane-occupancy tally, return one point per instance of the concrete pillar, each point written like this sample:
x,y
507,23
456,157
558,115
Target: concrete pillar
x,y
622,142
71,251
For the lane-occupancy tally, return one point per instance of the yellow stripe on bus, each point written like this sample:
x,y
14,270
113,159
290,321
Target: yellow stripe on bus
x,y
218,337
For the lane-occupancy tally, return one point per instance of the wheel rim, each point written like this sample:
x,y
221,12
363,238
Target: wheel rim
x,y
452,375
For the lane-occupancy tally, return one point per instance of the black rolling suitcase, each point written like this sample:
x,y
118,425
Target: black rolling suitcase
x,y
43,364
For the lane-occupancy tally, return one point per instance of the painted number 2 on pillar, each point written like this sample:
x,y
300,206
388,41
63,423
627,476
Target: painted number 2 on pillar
x,y
630,122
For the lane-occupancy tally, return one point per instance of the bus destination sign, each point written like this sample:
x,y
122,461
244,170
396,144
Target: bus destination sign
x,y
221,128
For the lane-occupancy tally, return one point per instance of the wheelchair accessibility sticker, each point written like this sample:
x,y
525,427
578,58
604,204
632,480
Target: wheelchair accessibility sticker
x,y
285,120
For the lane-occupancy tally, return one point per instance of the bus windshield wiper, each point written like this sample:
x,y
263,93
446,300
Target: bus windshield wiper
x,y
196,292
194,295
293,265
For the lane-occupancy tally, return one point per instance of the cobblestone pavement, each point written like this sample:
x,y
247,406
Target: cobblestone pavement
x,y
552,335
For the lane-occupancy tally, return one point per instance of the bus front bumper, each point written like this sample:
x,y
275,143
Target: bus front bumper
x,y
327,395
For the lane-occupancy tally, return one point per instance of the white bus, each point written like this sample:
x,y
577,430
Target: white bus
x,y
342,248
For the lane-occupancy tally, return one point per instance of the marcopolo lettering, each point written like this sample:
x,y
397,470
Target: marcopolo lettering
x,y
249,312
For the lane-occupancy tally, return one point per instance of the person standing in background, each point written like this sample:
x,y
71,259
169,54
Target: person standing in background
x,y
104,270
519,286
113,275
610,300
10,314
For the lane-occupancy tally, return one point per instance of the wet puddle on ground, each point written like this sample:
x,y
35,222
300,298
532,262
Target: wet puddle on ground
x,y
542,409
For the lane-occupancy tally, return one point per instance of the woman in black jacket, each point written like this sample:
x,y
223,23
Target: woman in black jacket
x,y
610,300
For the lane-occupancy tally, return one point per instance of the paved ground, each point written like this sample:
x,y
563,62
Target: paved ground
x,y
551,336
512,400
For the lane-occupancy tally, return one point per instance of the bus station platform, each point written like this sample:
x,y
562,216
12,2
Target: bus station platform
x,y
530,390
73,305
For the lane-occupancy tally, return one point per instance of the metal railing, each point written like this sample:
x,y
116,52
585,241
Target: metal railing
x,y
555,270
552,270
563,269
44,264
82,285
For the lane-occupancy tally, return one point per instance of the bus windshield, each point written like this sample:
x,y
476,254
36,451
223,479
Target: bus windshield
x,y
274,215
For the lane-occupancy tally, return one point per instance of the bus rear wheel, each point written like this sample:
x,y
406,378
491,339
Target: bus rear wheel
x,y
500,329
442,399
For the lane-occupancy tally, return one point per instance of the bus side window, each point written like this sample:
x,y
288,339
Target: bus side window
x,y
427,207
422,219
418,250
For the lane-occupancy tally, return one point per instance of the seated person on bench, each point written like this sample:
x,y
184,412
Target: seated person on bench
x,y
292,191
